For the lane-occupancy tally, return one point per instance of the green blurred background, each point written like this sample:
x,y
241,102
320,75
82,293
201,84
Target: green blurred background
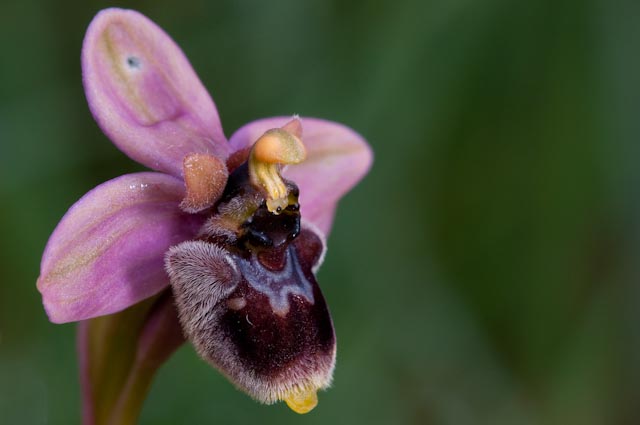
x,y
485,272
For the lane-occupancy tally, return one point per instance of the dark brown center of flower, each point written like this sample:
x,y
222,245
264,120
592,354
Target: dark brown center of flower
x,y
267,230
243,211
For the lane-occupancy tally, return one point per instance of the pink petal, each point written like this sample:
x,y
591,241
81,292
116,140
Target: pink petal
x,y
107,252
337,159
144,93
119,355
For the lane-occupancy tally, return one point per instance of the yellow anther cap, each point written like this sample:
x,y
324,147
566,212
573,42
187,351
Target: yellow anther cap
x,y
276,147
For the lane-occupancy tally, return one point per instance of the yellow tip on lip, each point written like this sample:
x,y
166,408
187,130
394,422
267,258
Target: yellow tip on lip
x,y
303,401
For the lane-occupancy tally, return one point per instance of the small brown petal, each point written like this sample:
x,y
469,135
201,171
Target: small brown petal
x,y
205,177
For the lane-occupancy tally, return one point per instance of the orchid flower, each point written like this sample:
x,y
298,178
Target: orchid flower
x,y
219,245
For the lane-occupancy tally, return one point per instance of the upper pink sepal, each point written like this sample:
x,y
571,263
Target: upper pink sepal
x,y
144,93
337,159
107,252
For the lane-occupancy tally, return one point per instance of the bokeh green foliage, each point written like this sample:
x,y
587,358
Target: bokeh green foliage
x,y
486,270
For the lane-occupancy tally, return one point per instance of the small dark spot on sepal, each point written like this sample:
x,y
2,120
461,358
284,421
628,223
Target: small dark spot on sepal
x,y
134,62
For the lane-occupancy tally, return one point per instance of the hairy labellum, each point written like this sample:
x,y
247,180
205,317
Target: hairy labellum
x,y
248,299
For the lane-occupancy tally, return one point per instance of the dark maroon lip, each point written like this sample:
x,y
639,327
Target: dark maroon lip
x,y
271,340
248,298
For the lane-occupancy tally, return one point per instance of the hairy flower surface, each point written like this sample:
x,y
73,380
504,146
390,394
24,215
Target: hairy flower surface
x,y
220,244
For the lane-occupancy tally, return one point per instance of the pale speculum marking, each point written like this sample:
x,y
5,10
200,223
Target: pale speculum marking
x,y
277,286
